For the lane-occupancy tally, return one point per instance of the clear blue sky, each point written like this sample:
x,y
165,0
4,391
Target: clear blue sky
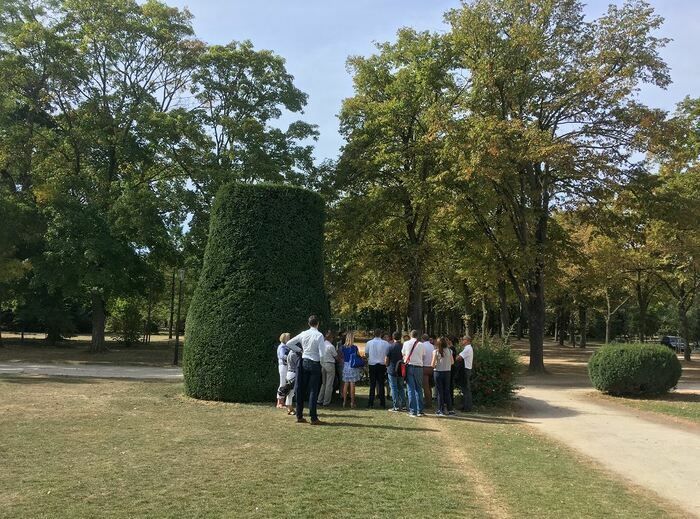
x,y
316,37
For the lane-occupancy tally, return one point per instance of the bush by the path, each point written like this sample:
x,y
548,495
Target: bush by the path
x,y
262,275
634,369
493,377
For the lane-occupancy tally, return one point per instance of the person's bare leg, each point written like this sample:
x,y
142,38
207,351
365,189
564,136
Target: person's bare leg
x,y
352,394
345,393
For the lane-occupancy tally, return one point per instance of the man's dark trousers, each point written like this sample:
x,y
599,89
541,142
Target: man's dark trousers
x,y
467,390
377,378
308,387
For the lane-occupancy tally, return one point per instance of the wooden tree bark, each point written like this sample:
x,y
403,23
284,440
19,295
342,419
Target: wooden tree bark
x,y
98,323
503,308
583,323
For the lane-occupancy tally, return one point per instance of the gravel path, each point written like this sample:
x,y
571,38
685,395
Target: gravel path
x,y
662,458
91,371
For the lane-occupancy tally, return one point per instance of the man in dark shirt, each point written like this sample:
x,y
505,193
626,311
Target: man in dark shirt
x,y
396,382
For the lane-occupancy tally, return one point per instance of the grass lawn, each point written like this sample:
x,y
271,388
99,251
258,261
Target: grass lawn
x,y
679,405
114,448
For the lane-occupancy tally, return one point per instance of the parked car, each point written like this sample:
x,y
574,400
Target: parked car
x,y
677,344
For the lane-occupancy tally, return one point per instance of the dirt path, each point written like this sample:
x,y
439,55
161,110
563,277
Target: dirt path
x,y
91,371
662,458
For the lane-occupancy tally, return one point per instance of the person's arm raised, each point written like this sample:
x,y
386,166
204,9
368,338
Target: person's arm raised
x,y
294,343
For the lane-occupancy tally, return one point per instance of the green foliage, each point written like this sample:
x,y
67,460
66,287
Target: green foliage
x,y
262,275
634,369
125,321
493,378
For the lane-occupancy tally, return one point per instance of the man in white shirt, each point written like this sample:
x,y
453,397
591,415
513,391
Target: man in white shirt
x,y
327,370
467,356
309,376
413,358
428,350
375,351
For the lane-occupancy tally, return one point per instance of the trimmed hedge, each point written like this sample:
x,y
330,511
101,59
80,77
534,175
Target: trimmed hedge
x,y
262,275
493,378
634,369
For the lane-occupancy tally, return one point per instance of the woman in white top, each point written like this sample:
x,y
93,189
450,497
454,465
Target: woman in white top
x,y
442,363
282,352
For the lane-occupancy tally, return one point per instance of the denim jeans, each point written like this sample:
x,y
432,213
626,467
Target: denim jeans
x,y
442,388
308,385
414,379
398,391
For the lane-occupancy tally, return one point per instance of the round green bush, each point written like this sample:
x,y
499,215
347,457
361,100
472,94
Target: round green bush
x,y
634,369
262,275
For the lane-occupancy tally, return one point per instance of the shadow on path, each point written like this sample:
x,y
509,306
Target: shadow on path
x,y
531,407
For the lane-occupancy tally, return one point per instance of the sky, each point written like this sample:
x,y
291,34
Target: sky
x,y
316,37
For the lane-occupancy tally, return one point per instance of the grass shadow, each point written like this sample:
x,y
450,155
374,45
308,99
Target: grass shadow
x,y
383,427
486,419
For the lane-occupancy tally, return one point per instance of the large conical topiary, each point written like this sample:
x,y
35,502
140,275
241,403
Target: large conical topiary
x,y
262,275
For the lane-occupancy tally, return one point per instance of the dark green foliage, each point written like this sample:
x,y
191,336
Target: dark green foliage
x,y
493,377
262,275
125,321
634,369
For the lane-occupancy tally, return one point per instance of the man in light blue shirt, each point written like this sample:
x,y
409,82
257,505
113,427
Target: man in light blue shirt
x,y
376,351
308,384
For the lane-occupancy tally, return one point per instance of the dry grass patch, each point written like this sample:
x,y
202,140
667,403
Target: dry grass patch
x,y
116,448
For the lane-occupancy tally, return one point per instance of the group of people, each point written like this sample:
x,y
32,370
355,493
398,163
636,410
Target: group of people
x,y
309,365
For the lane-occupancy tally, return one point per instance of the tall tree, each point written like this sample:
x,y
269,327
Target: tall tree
x,y
391,157
548,116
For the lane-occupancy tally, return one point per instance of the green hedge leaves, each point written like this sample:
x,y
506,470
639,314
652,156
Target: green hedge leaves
x,y
262,275
634,369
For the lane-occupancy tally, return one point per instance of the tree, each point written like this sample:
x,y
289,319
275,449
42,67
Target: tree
x,y
104,193
241,94
547,116
391,157
675,216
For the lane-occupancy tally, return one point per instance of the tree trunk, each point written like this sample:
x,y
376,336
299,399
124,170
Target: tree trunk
x,y
583,323
572,329
643,299
484,316
98,324
536,314
607,329
503,308
684,328
561,329
172,307
415,302
519,325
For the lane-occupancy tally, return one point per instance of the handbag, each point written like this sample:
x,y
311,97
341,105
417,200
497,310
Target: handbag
x,y
356,361
403,365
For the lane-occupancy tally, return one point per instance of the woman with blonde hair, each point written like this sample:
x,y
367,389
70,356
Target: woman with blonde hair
x,y
350,374
282,352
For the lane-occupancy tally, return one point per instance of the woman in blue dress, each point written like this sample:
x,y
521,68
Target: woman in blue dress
x,y
350,374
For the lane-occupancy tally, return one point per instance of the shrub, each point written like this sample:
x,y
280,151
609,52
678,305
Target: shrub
x,y
634,369
262,275
493,378
125,322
